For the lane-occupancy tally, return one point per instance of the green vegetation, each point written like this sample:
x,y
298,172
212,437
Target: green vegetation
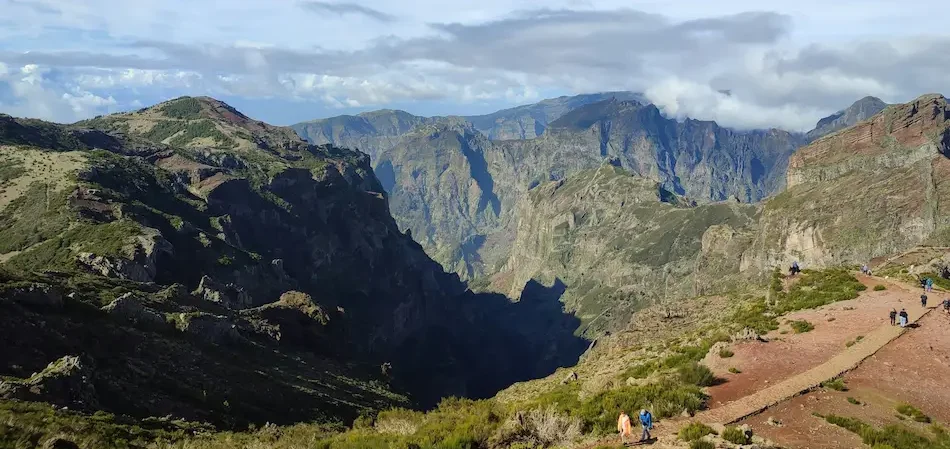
x,y
701,444
836,384
734,370
892,436
912,412
202,129
735,435
10,169
818,288
183,108
598,413
801,326
849,343
694,431
60,252
726,353
696,374
27,220
880,287
853,401
163,129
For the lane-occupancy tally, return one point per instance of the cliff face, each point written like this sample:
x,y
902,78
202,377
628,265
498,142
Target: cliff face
x,y
235,212
867,191
861,110
615,242
455,185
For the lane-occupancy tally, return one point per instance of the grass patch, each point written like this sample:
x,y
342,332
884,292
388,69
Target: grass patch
x,y
849,343
735,435
694,431
734,370
835,384
818,288
726,353
880,287
912,412
801,326
892,436
701,444
853,401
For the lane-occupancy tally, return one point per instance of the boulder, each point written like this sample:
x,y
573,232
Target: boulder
x,y
747,334
207,327
65,382
131,309
228,295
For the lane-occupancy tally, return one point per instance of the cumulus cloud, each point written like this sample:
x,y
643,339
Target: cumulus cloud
x,y
32,93
776,77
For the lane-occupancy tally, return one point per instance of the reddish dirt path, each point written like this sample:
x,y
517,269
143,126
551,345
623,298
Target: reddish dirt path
x,y
765,364
906,370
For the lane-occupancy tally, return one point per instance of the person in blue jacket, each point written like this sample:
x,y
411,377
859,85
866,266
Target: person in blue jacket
x,y
646,420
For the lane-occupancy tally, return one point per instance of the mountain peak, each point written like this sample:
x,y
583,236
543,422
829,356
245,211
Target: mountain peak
x,y
860,110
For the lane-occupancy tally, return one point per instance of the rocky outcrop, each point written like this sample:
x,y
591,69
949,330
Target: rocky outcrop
x,y
229,295
133,310
295,318
32,294
207,327
138,261
861,110
66,382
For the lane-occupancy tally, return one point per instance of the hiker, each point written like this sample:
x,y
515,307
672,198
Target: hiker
x,y
794,269
646,420
903,316
930,285
624,427
893,316
923,300
865,270
946,305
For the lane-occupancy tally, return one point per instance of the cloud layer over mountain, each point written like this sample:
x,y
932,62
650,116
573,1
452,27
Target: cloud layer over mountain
x,y
738,63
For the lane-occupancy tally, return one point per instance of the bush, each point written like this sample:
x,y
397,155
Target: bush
x,y
892,436
538,428
696,374
735,435
879,287
701,444
912,412
801,326
854,401
694,431
734,370
835,384
818,288
849,343
665,399
726,353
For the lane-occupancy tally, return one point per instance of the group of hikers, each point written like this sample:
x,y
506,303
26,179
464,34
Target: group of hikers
x,y
927,284
626,428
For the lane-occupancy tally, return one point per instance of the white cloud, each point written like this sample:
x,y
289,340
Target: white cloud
x,y
786,67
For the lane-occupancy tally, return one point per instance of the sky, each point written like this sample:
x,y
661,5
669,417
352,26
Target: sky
x,y
744,63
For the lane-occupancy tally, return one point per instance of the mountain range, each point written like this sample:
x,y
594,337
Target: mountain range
x,y
454,182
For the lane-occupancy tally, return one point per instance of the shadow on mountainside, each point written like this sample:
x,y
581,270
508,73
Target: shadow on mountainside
x,y
500,343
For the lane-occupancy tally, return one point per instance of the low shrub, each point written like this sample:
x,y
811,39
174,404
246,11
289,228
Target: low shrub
x,y
892,436
734,370
696,374
726,353
854,401
801,326
735,435
834,384
879,287
694,431
701,444
849,343
912,412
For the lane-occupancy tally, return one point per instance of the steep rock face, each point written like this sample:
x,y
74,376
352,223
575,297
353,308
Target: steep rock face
x,y
870,190
610,243
457,191
861,110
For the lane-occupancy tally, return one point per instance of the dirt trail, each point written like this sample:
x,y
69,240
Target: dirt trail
x,y
841,363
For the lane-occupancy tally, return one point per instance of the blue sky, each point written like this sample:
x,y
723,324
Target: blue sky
x,y
786,64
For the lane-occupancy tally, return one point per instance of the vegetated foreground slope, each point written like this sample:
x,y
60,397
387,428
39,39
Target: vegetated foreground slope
x,y
201,264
